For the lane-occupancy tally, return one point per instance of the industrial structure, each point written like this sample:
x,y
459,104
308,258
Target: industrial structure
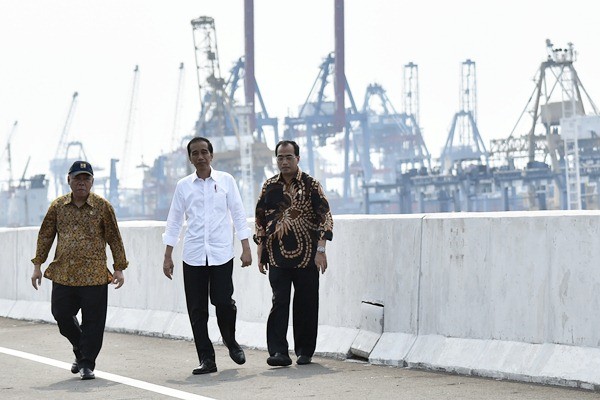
x,y
550,160
67,152
22,202
554,164
238,133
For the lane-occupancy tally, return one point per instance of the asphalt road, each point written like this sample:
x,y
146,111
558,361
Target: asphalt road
x,y
34,362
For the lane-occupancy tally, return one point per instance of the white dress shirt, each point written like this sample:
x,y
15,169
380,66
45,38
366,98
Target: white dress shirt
x,y
209,207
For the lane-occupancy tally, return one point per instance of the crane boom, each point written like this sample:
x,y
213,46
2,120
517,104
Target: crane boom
x,y
7,152
130,123
64,136
175,133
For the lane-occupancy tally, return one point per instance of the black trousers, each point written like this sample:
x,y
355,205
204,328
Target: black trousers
x,y
305,309
86,337
199,283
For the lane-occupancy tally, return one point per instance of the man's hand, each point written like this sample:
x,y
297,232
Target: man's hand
x,y
263,268
118,279
36,277
168,266
321,261
246,256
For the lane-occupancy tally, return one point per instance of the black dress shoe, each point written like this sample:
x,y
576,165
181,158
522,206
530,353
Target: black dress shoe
x,y
303,360
279,360
237,354
86,374
206,367
75,367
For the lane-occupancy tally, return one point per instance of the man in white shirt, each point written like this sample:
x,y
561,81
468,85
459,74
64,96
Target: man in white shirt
x,y
210,201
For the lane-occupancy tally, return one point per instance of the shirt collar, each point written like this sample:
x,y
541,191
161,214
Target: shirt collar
x,y
91,200
297,177
214,174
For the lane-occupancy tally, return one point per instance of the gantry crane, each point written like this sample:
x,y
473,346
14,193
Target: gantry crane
x,y
7,153
395,136
228,125
550,99
61,162
175,134
469,146
129,128
317,121
552,150
262,118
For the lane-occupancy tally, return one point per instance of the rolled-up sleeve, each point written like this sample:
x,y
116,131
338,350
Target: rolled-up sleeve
x,y
238,213
175,219
260,221
322,211
113,238
46,235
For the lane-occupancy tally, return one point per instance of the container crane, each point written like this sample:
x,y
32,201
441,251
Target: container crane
x,y
130,124
227,125
262,118
469,146
316,121
175,134
548,101
60,163
411,114
215,119
7,153
400,145
551,146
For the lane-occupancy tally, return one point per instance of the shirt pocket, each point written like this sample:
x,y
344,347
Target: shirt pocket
x,y
220,199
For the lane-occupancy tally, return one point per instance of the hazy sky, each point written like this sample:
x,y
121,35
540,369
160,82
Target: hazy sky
x,y
52,48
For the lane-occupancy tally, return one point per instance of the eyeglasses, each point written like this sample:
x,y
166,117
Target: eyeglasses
x,y
287,157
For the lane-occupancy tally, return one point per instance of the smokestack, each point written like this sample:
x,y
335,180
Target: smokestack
x,y
249,80
340,74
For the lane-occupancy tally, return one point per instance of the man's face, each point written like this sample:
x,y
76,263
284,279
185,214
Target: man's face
x,y
287,161
81,185
200,156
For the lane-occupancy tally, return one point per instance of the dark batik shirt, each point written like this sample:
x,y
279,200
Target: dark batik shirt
x,y
83,232
291,219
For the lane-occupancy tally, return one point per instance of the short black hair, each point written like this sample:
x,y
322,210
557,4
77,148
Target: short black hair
x,y
199,139
288,142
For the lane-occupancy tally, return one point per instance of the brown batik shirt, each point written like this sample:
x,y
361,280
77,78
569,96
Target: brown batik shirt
x,y
291,219
83,232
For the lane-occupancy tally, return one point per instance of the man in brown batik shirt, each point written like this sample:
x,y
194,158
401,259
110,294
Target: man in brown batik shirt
x,y
84,223
293,223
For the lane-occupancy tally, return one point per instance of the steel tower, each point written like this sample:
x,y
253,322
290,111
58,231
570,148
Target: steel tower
x,y
317,121
558,93
464,142
229,126
63,157
395,137
215,119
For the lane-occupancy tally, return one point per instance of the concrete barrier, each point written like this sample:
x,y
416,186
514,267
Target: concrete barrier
x,y
505,295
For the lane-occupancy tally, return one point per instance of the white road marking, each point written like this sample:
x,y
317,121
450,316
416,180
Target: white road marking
x,y
178,394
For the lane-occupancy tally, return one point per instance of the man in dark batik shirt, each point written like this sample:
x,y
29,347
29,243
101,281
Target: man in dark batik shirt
x,y
293,223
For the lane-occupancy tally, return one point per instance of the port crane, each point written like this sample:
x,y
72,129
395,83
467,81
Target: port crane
x,y
7,153
61,162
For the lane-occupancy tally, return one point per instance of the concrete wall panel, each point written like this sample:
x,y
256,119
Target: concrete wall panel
x,y
8,244
510,295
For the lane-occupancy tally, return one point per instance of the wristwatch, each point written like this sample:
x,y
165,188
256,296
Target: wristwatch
x,y
321,249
